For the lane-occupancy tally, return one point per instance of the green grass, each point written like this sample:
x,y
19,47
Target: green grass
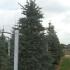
x,y
65,64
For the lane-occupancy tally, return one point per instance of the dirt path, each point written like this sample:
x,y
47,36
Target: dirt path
x,y
67,56
58,66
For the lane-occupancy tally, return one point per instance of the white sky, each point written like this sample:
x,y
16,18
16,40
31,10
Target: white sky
x,y
56,11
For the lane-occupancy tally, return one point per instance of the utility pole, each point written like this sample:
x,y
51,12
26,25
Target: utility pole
x,y
16,47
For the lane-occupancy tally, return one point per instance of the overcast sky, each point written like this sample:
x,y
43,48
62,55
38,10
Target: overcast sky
x,y
56,11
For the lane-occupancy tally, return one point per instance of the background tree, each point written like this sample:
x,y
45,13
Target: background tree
x,y
33,53
54,45
12,51
3,53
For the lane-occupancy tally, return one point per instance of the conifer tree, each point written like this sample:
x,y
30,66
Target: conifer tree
x,y
12,51
54,45
33,53
3,53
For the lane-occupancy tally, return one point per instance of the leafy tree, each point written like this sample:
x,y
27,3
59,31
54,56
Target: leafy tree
x,y
54,45
33,54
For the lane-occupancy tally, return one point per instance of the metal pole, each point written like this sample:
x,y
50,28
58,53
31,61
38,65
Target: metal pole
x,y
16,43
